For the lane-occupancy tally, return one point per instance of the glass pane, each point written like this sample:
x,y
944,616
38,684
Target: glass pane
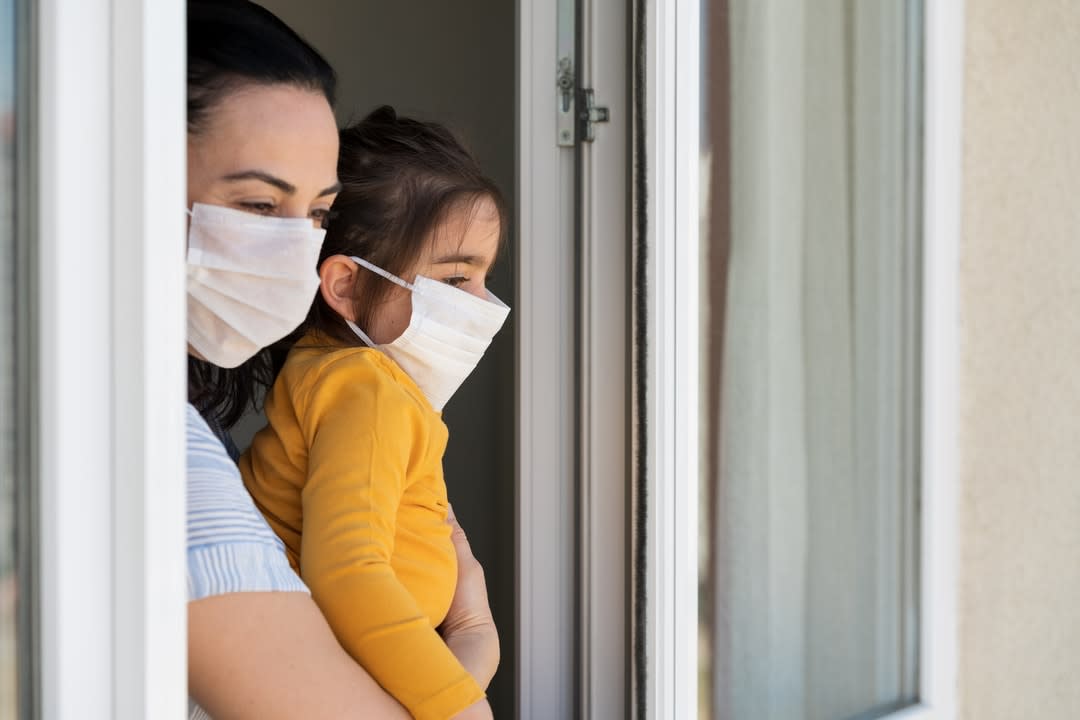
x,y
12,661
8,670
811,154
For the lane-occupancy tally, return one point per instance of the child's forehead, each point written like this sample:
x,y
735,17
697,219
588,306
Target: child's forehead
x,y
469,232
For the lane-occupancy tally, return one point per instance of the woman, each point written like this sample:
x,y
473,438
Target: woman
x,y
262,152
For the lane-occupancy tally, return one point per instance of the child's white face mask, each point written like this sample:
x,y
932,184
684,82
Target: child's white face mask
x,y
447,334
250,280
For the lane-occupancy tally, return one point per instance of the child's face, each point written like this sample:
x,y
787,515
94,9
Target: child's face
x,y
459,252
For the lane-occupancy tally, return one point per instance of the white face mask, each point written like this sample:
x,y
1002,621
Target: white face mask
x,y
447,334
250,280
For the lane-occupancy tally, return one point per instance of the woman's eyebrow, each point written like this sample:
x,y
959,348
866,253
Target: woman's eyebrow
x,y
333,189
285,187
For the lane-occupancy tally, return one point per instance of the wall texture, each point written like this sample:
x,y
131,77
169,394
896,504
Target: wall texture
x,y
1020,362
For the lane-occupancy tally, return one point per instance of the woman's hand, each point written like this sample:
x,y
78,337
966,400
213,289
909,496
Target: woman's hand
x,y
469,629
478,711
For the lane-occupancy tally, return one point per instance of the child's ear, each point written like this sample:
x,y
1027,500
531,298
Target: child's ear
x,y
337,283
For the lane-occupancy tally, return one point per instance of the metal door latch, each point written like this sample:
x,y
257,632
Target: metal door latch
x,y
571,123
565,82
591,114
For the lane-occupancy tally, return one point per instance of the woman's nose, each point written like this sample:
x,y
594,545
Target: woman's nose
x,y
299,210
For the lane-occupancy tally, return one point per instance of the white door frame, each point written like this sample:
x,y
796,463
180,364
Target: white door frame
x,y
546,507
573,367
110,188
604,365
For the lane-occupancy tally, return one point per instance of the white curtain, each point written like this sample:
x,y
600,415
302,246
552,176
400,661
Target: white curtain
x,y
813,574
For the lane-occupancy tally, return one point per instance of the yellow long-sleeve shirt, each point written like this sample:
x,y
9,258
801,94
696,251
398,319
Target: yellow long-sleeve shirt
x,y
349,474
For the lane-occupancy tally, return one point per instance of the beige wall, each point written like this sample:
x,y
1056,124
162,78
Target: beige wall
x,y
1020,362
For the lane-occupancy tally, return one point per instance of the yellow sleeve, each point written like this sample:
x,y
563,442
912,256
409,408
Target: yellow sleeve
x,y
363,434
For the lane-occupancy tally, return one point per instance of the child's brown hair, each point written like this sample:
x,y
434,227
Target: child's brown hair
x,y
400,180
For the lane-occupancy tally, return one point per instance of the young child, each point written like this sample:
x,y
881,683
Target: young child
x,y
349,470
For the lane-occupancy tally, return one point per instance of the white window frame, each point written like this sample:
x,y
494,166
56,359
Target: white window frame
x,y
672,129
110,188
111,333
673,99
942,161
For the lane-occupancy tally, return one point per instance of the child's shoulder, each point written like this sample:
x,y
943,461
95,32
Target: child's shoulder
x,y
315,365
312,359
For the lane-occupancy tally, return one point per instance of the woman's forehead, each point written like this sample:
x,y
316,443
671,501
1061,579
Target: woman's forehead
x,y
285,131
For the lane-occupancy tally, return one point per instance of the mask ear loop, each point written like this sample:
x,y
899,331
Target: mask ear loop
x,y
359,333
378,271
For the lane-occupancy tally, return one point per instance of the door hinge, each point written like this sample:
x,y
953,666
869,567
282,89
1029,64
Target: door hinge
x,y
591,114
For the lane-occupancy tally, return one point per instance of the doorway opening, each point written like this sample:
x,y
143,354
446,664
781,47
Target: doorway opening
x,y
453,63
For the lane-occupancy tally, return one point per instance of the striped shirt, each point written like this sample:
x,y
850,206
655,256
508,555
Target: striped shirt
x,y
230,548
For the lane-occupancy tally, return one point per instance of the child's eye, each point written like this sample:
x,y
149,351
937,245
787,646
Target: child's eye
x,y
456,281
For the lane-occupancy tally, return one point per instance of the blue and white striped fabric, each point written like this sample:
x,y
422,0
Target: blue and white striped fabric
x,y
230,548
195,712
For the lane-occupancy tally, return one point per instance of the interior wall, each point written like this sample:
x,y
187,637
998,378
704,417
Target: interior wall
x,y
454,63
1020,383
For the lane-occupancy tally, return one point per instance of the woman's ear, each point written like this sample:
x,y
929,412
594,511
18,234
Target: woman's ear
x,y
337,283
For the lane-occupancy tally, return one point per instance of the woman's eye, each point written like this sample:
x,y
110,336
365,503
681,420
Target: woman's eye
x,y
456,281
320,214
262,208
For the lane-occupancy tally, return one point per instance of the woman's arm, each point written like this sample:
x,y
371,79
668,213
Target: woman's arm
x,y
256,656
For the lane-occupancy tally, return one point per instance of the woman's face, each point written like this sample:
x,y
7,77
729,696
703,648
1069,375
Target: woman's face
x,y
266,149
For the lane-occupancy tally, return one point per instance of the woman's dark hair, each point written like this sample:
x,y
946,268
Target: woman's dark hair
x,y
232,44
400,180
236,43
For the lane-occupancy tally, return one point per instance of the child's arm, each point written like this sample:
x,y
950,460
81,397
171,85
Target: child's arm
x,y
361,437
